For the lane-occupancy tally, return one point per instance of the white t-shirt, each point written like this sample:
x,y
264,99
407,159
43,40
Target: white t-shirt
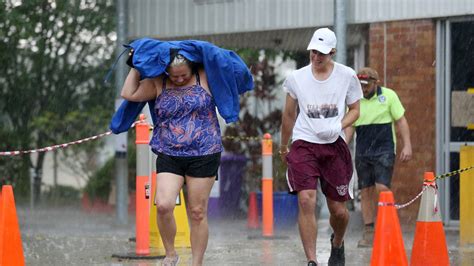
x,y
322,104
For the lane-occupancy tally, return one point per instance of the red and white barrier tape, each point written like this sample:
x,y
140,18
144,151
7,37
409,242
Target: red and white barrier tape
x,y
54,147
64,145
435,186
400,206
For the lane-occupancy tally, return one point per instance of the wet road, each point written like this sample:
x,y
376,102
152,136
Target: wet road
x,y
68,236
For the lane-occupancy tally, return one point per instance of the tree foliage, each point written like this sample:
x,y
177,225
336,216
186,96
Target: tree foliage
x,y
54,56
260,113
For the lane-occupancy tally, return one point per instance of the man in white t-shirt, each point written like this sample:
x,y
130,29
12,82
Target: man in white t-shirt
x,y
315,116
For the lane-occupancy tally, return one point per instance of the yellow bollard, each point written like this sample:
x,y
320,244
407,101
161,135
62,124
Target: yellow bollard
x,y
183,233
466,197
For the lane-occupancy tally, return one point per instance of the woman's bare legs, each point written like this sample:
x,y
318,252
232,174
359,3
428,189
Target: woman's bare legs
x,y
167,189
198,191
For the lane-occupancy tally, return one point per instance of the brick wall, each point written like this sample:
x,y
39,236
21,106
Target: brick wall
x,y
410,71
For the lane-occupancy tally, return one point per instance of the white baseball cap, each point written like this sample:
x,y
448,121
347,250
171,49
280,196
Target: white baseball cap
x,y
323,40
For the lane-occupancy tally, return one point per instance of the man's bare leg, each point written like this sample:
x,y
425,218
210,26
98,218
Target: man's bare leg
x,y
339,218
307,222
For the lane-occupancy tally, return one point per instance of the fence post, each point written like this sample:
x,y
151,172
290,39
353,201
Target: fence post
x,y
267,186
142,215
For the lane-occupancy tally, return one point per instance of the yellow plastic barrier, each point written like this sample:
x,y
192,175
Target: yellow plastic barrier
x,y
183,234
466,196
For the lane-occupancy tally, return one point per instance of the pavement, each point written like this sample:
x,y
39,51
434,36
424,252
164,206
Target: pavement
x,y
69,236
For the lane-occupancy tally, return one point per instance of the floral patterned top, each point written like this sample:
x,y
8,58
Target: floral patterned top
x,y
187,122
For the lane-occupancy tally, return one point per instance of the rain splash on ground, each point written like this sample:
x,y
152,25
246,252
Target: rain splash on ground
x,y
69,236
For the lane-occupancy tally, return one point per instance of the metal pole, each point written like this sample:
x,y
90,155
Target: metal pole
x,y
55,176
340,28
440,115
121,167
32,191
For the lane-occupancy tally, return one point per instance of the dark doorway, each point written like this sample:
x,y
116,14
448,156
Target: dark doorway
x,y
462,74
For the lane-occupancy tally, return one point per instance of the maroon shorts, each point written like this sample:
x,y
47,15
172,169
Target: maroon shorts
x,y
331,163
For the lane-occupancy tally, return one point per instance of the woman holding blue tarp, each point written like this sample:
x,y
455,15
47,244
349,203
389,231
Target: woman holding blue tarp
x,y
187,81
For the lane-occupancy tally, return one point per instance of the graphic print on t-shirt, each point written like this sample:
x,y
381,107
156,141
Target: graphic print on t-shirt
x,y
321,111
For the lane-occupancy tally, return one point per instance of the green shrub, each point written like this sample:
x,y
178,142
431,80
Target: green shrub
x,y
64,193
100,183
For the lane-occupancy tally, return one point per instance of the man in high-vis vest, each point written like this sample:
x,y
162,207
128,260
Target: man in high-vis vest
x,y
380,113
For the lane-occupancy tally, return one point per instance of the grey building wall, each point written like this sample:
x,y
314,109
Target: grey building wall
x,y
173,19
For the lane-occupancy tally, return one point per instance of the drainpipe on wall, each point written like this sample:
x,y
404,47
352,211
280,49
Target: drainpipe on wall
x,y
340,28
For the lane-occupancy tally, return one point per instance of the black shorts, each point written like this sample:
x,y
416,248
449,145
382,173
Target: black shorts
x,y
193,166
374,169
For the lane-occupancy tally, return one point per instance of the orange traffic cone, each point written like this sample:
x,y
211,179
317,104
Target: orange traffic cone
x,y
252,214
11,251
388,242
1,224
429,246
